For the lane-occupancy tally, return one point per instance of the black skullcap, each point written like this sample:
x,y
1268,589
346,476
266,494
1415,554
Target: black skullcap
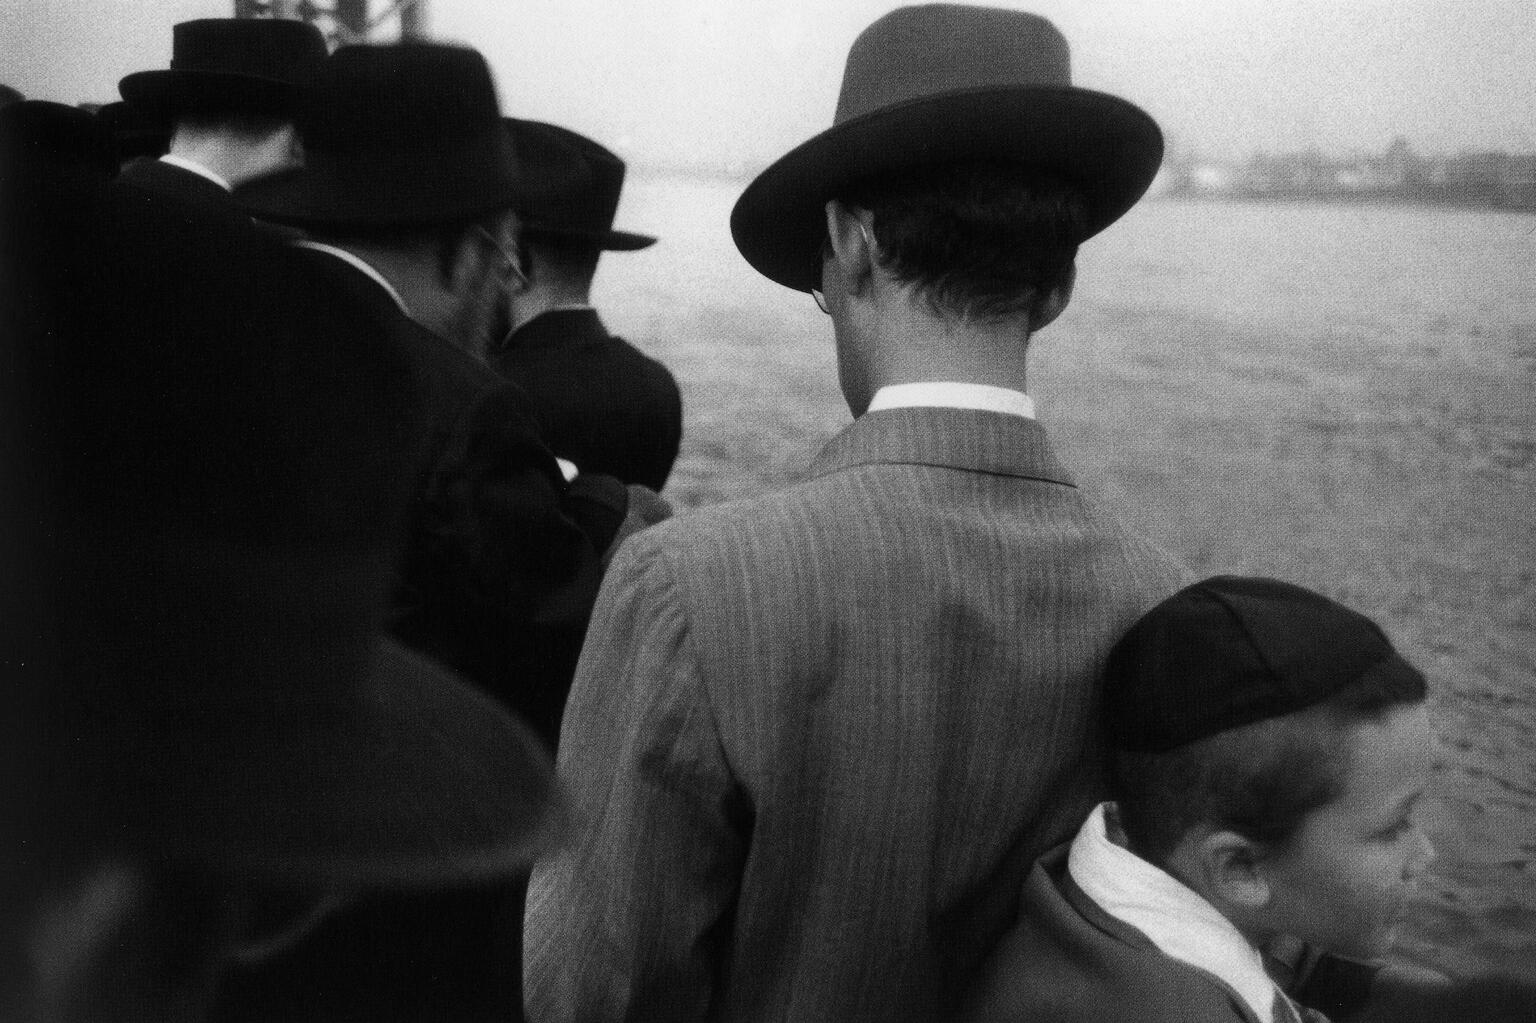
x,y
1230,651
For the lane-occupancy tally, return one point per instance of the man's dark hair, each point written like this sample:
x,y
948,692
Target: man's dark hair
x,y
1259,780
979,239
569,258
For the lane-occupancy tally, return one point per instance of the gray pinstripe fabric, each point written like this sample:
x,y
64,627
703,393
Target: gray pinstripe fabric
x,y
817,739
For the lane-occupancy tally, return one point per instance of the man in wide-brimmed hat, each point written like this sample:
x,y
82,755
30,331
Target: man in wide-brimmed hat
x,y
204,483
600,401
408,196
228,102
817,738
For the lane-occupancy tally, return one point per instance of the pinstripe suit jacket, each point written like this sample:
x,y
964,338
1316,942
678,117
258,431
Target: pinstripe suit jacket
x,y
817,739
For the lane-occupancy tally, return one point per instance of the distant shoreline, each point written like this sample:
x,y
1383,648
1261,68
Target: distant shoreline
x,y
1429,198
1526,205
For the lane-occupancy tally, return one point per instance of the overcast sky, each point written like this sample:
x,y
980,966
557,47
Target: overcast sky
x,y
740,81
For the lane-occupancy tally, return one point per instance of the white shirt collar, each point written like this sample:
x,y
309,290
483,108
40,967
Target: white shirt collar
x,y
357,261
198,169
954,394
1178,921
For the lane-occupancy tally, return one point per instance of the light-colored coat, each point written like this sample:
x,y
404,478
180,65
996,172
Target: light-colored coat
x,y
817,739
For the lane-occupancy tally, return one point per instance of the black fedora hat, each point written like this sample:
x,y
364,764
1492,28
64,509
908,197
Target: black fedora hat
x,y
403,135
941,82
228,456
230,66
588,178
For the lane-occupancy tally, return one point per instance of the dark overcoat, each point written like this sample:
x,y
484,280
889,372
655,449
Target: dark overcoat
x,y
600,401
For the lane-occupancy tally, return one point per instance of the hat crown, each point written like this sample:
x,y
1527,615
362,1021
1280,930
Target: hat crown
x,y
932,50
412,96
280,50
588,177
407,134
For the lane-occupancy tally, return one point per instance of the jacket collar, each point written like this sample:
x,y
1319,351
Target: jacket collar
x,y
176,179
991,442
1054,863
193,167
558,328
359,264
1176,919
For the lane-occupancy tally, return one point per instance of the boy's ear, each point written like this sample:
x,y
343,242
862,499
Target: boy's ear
x,y
1228,866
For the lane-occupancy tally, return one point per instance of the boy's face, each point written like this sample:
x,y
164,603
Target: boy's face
x,y
1342,883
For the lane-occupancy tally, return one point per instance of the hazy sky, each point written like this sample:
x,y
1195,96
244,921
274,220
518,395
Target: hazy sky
x,y
741,81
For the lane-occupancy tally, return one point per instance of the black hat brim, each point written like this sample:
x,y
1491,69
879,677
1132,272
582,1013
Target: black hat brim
x,y
175,92
1109,148
378,197
421,780
609,241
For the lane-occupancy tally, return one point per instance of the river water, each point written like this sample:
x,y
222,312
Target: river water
x,y
1340,396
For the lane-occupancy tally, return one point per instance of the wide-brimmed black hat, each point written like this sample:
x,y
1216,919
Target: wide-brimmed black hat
x,y
588,179
938,83
404,135
222,460
1233,650
230,66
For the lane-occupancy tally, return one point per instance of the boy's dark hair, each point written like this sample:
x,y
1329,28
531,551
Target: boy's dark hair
x,y
1260,779
980,239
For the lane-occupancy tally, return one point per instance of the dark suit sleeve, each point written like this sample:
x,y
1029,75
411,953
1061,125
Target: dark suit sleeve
x,y
504,561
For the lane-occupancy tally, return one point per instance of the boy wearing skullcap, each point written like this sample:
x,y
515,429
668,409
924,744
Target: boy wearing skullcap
x,y
1267,750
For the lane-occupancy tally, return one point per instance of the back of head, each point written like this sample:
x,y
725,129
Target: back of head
x,y
978,240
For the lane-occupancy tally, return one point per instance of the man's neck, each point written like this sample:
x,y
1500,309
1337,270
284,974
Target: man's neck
x,y
541,297
910,345
232,160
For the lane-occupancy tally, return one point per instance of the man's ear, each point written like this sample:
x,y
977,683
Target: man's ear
x,y
1056,302
295,145
850,240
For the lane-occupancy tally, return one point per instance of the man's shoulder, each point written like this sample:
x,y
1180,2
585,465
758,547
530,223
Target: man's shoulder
x,y
443,368
769,516
846,508
167,179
